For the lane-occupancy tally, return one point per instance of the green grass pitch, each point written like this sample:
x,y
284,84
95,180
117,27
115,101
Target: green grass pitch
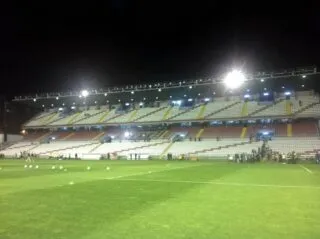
x,y
158,199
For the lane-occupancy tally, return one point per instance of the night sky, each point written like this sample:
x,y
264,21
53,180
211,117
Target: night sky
x,y
51,46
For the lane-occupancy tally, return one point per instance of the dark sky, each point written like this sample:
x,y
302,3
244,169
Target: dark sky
x,y
54,46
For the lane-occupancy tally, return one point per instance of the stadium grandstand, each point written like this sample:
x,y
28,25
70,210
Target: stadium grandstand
x,y
205,118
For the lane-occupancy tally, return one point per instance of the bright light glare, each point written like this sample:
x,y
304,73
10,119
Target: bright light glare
x,y
84,93
287,93
246,96
234,79
126,134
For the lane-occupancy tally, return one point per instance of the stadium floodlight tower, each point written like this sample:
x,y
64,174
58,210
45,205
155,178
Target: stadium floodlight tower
x,y
234,79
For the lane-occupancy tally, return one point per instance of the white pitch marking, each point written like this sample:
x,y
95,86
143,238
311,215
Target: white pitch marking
x,y
150,172
305,168
220,183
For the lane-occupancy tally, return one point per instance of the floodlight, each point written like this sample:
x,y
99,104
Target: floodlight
x,y
262,80
246,96
127,104
199,94
34,99
159,90
190,87
84,93
265,133
287,93
302,86
206,99
141,104
105,94
189,100
42,105
304,76
265,93
132,92
73,107
234,79
23,131
126,134
57,98
60,109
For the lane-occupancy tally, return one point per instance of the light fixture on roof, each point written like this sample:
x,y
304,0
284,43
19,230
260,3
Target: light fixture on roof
x,y
34,100
52,105
62,104
119,100
264,88
234,79
214,92
157,97
185,95
84,93
57,98
141,104
105,94
95,102
302,86
282,87
170,96
73,107
131,99
127,104
43,106
247,96
150,86
73,103
190,86
206,99
262,80
144,98
287,93
265,93
159,90
132,92
199,94
304,76
190,100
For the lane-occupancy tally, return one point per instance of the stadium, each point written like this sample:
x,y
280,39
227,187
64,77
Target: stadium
x,y
186,159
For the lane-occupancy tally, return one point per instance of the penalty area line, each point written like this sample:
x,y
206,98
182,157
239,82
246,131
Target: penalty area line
x,y
306,169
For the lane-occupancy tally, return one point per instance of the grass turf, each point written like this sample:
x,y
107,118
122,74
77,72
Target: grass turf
x,y
157,199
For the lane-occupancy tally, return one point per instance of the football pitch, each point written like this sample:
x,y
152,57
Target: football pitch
x,y
158,199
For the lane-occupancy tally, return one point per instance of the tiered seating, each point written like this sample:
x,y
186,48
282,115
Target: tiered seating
x,y
15,149
190,113
311,111
187,147
222,108
273,110
223,152
104,116
299,145
120,146
53,116
252,106
45,149
76,117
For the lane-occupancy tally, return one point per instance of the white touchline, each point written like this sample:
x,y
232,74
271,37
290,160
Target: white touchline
x,y
221,183
150,172
308,170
